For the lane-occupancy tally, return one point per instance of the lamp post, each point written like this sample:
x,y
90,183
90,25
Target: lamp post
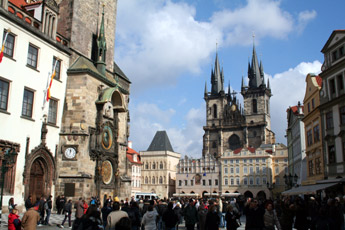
x,y
290,180
271,187
8,159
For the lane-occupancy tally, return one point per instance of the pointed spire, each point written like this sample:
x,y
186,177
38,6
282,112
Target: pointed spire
x,y
229,93
268,83
205,92
102,47
254,74
217,77
242,84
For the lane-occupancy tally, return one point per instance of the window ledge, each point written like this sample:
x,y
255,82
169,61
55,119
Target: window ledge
x,y
9,57
5,112
27,118
31,67
52,125
58,80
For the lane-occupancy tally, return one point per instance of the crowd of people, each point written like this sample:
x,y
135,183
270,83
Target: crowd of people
x,y
167,214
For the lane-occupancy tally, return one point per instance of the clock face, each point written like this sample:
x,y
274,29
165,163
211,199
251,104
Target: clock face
x,y
107,137
107,172
70,153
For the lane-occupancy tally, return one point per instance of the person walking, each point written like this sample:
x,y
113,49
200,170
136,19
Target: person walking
x,y
231,217
270,218
41,209
190,215
134,215
78,213
28,203
254,215
91,220
11,205
212,218
150,218
30,219
68,212
106,210
178,212
115,216
169,218
48,208
202,213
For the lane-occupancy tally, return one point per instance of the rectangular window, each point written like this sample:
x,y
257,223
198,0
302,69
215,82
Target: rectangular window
x,y
264,170
203,182
226,181
277,181
309,138
251,170
180,183
9,44
329,120
308,107
316,131
52,114
264,180
191,182
311,168
317,166
231,161
237,161
312,103
226,170
340,82
245,170
257,169
263,160
237,170
28,101
257,160
277,170
342,115
276,161
216,182
232,181
251,180
231,170
331,154
332,86
244,161
258,181
4,87
334,55
209,182
57,68
32,56
250,161
237,181
186,182
245,181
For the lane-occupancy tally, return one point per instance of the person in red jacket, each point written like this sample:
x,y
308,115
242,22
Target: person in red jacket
x,y
85,206
13,220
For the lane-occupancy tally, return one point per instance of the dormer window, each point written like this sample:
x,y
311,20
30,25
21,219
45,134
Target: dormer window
x,y
135,158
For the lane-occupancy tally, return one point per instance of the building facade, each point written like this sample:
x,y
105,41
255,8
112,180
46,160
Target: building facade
x,y
159,166
30,125
134,162
296,143
332,100
312,124
95,126
198,176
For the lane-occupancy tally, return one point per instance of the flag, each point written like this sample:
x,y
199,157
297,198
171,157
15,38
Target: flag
x,y
3,45
51,81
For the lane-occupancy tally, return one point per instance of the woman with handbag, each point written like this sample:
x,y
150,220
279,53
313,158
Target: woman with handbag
x,y
68,213
231,217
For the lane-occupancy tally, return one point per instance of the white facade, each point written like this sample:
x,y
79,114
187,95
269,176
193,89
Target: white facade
x,y
14,126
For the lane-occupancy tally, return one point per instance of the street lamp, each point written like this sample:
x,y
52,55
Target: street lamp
x,y
290,180
7,161
271,187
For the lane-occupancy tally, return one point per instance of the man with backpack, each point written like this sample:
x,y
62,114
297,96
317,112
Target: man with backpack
x,y
48,208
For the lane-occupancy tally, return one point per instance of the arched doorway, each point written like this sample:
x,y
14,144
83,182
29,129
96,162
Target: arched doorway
x,y
261,195
36,186
248,194
203,193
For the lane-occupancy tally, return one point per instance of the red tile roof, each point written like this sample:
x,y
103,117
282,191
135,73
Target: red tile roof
x,y
294,109
318,80
252,150
130,155
21,3
237,150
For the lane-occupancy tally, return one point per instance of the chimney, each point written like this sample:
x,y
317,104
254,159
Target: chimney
x,y
299,107
130,144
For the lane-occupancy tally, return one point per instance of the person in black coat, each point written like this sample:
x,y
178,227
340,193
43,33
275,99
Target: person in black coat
x,y
231,217
134,215
105,213
254,215
169,217
28,203
212,218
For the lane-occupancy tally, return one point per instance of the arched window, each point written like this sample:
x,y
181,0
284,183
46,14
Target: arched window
x,y
234,142
153,180
255,106
154,165
161,180
161,165
215,111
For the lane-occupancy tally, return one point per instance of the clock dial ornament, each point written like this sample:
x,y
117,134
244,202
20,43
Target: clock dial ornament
x,y
107,137
107,172
70,153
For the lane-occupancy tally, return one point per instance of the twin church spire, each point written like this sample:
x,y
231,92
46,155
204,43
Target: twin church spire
x,y
101,48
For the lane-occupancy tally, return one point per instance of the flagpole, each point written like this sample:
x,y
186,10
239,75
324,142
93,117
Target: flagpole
x,y
3,44
49,82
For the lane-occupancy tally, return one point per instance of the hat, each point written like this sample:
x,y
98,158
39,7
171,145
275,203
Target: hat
x,y
116,199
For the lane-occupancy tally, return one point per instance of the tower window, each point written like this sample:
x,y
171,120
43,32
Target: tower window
x,y
255,106
234,142
214,111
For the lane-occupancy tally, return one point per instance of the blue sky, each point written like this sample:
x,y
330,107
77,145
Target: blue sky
x,y
167,49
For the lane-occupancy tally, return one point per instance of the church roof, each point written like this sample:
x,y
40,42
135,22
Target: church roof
x,y
160,142
119,72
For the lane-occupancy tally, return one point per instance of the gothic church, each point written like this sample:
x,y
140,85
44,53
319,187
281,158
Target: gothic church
x,y
230,126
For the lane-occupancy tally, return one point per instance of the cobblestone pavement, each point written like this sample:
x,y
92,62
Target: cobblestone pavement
x,y
56,219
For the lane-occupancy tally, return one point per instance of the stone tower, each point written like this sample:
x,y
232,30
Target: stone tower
x,y
91,158
256,97
224,117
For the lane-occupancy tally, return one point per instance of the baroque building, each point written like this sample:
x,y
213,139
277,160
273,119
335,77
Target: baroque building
x,y
296,143
332,105
134,162
312,124
159,166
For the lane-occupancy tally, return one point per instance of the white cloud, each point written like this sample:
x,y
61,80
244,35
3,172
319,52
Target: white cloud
x,y
159,40
304,18
288,88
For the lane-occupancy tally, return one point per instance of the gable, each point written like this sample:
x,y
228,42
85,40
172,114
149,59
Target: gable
x,y
335,37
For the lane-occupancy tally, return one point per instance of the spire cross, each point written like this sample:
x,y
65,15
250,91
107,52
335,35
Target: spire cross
x,y
233,93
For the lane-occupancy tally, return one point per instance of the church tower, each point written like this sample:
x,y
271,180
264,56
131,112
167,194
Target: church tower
x,y
256,97
95,130
224,117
